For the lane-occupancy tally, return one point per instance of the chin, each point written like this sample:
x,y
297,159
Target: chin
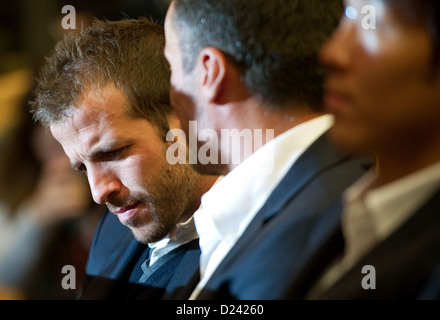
x,y
149,234
349,139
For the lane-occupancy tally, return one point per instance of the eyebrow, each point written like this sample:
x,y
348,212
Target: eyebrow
x,y
97,153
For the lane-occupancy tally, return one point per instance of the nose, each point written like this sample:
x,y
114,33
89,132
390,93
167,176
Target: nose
x,y
103,185
335,53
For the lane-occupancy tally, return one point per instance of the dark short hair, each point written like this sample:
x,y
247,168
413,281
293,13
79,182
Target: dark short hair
x,y
274,43
425,13
128,53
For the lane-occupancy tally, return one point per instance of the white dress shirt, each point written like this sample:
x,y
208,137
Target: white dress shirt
x,y
185,233
371,215
386,207
230,205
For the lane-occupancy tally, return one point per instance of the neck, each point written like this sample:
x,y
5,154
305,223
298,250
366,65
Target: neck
x,y
271,123
203,185
395,161
254,115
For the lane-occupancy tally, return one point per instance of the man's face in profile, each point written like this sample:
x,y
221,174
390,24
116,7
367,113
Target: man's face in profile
x,y
379,85
125,163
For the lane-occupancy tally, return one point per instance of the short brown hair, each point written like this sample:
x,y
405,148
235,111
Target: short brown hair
x,y
274,43
128,53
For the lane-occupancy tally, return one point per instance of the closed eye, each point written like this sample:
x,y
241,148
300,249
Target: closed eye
x,y
109,155
101,156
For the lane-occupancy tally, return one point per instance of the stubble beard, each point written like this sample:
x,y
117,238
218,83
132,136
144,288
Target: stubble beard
x,y
165,204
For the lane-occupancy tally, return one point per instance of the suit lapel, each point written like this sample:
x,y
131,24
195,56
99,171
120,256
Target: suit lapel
x,y
184,293
403,262
168,275
187,274
318,157
325,244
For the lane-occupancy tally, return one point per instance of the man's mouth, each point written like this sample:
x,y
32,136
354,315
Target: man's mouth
x,y
126,213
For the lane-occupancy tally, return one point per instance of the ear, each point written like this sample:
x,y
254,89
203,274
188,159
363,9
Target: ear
x,y
213,68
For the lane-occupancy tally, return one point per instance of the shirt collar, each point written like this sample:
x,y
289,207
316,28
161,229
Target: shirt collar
x,y
392,204
185,233
230,205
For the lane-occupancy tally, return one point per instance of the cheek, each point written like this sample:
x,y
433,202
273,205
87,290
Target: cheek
x,y
390,84
132,174
184,106
176,99
144,165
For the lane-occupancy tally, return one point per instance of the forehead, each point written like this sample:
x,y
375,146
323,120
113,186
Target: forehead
x,y
95,107
99,116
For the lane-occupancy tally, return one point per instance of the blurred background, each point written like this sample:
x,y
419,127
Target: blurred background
x,y
47,217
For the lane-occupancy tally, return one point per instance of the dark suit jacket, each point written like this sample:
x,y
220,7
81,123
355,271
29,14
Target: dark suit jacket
x,y
407,263
113,267
261,260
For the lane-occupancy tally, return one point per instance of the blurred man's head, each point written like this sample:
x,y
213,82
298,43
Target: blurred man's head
x,y
384,85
